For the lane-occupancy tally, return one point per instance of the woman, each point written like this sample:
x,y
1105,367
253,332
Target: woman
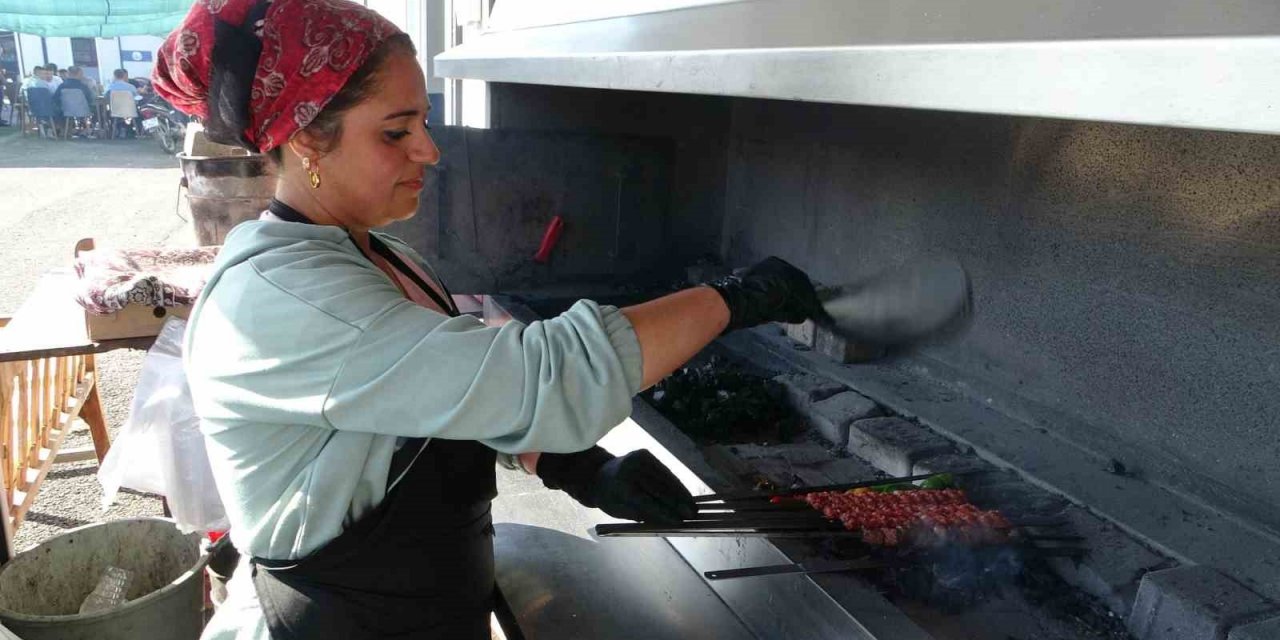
x,y
352,415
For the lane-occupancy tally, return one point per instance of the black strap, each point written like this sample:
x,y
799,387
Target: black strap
x,y
403,457
289,214
392,257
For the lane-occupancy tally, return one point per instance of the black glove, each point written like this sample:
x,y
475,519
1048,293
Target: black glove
x,y
635,486
769,291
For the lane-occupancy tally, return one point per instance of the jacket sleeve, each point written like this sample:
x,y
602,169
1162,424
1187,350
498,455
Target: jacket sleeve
x,y
555,385
316,337
397,368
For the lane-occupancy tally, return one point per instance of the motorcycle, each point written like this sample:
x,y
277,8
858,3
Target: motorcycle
x,y
163,122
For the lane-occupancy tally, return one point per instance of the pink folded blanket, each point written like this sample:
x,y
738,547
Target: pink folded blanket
x,y
111,279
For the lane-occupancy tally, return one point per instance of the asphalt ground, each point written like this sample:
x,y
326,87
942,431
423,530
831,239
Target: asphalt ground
x,y
122,193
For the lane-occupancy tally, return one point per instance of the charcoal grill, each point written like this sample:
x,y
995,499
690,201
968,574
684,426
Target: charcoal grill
x,y
1106,174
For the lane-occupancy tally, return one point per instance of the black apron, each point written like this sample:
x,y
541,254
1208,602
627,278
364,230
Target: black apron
x,y
420,565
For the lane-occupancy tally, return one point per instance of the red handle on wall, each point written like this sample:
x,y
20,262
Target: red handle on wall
x,y
549,239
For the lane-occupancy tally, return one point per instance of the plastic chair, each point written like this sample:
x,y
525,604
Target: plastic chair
x,y
74,107
40,108
123,107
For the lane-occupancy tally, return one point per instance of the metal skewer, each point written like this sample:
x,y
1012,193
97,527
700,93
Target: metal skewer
x,y
757,495
754,533
750,527
812,517
777,569
769,507
722,525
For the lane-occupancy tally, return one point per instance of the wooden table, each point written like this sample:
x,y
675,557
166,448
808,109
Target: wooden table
x,y
48,378
50,323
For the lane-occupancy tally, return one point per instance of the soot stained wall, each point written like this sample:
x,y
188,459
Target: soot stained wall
x,y
1127,278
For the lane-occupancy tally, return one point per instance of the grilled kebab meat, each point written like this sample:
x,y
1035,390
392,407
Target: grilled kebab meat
x,y
925,517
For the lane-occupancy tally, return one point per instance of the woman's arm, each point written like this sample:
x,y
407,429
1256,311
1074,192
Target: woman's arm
x,y
336,343
674,328
671,330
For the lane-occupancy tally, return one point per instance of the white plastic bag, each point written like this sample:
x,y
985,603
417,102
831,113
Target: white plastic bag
x,y
160,449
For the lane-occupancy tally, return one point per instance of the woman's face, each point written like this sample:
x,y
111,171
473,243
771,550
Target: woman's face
x,y
373,175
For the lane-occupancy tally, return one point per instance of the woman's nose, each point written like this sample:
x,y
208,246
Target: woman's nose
x,y
424,149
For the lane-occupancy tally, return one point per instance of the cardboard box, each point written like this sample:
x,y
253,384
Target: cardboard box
x,y
134,321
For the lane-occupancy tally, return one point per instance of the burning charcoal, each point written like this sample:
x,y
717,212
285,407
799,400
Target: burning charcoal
x,y
716,402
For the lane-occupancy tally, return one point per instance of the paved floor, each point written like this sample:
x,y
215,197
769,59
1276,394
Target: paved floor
x,y
53,193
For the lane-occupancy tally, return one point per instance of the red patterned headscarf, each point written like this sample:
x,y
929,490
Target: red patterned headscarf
x,y
309,48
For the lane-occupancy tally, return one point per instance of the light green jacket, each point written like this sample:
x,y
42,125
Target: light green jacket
x,y
307,366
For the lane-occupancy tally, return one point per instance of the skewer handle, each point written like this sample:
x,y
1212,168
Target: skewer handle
x,y
778,569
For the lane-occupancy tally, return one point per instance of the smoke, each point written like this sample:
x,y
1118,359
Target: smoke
x,y
956,577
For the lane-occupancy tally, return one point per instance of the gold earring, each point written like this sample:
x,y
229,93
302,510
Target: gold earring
x,y
313,175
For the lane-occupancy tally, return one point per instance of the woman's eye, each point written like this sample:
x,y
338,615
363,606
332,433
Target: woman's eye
x,y
397,135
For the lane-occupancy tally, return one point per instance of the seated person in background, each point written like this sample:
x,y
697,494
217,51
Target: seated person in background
x,y
121,83
54,79
39,78
74,82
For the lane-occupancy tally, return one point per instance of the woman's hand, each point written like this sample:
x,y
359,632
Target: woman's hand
x,y
770,291
635,486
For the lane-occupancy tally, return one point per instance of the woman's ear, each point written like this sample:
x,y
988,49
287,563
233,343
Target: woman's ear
x,y
305,145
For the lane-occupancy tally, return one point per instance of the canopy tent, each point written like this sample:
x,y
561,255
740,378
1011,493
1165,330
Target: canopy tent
x,y
92,18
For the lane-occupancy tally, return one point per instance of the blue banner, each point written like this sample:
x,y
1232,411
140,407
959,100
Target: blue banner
x,y
134,56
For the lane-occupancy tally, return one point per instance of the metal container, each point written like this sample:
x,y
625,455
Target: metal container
x,y
224,191
42,588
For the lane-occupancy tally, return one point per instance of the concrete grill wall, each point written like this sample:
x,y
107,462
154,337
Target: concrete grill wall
x,y
699,125
1127,278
